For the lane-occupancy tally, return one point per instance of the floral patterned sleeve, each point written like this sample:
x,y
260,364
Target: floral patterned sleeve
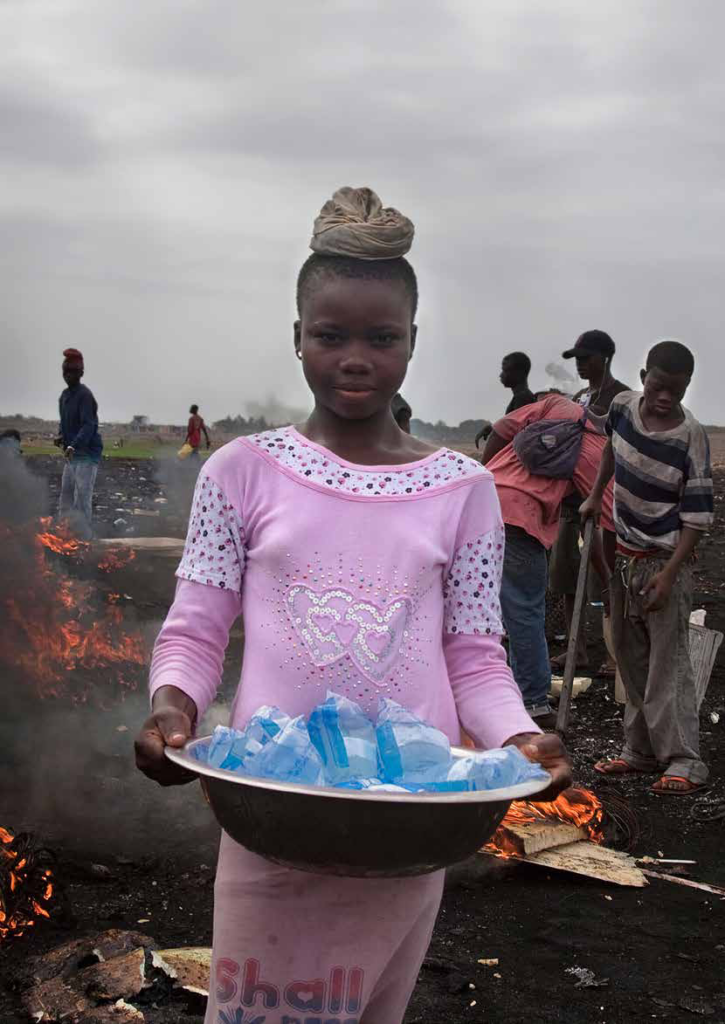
x,y
214,553
471,589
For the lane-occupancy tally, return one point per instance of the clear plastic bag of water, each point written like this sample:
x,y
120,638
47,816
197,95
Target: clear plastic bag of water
x,y
409,749
344,737
289,756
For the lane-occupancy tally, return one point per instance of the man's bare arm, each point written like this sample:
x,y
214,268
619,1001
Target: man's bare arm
x,y
493,446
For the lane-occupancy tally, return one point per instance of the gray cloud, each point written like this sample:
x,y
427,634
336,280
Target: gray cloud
x,y
37,129
160,167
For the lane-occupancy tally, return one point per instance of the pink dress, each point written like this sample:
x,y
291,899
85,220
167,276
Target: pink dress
x,y
370,581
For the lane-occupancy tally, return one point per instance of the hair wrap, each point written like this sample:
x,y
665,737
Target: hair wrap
x,y
73,357
355,223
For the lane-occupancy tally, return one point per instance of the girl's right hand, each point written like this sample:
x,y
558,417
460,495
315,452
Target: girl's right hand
x,y
170,724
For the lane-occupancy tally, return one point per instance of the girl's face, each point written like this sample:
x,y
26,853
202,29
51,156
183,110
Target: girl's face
x,y
355,338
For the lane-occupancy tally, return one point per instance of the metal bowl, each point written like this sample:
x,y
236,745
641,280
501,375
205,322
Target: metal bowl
x,y
351,832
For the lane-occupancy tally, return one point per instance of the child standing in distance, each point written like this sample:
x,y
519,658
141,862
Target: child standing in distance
x,y
663,504
383,581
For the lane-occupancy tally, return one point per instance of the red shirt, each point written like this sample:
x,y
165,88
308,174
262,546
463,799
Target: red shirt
x,y
534,502
194,430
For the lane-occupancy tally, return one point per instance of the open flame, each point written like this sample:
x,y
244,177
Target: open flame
x,y
62,542
58,624
117,559
572,807
26,884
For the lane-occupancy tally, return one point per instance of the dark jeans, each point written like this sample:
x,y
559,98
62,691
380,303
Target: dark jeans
x,y
523,606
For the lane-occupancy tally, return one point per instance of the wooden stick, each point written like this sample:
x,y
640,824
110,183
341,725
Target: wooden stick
x,y
586,858
562,719
716,889
534,836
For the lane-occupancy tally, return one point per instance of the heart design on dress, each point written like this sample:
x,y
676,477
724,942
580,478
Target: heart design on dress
x,y
325,621
378,641
308,996
345,632
335,624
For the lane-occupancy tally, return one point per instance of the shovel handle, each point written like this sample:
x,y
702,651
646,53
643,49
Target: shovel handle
x,y
562,718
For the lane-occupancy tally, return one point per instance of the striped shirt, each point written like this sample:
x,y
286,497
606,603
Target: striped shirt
x,y
662,479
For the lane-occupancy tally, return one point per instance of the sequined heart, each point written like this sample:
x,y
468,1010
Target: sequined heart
x,y
334,624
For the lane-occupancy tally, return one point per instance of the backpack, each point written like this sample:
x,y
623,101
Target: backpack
x,y
551,447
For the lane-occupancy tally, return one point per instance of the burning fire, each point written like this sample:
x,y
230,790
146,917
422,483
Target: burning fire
x,y
116,559
26,884
62,542
572,807
57,624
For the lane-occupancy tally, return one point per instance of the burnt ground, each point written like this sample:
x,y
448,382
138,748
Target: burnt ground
x,y
659,950
133,497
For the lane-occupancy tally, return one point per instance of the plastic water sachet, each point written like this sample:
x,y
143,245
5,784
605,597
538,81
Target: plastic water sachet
x,y
344,738
230,748
376,785
410,751
289,756
226,749
266,722
494,769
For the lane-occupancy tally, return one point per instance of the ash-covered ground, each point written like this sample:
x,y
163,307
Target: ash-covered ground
x,y
659,952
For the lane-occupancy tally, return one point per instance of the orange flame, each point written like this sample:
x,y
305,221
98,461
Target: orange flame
x,y
116,559
56,625
20,906
62,542
572,807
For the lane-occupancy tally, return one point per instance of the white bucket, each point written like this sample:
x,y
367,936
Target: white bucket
x,y
704,645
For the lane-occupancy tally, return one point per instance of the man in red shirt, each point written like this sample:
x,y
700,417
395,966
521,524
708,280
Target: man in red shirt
x,y
530,507
194,431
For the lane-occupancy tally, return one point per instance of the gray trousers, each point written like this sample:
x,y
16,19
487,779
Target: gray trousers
x,y
661,722
76,496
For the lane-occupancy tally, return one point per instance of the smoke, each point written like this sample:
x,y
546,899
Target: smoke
x,y
559,373
23,496
274,411
67,769
177,480
68,774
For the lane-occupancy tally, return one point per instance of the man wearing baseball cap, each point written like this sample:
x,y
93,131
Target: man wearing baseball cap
x,y
81,444
593,352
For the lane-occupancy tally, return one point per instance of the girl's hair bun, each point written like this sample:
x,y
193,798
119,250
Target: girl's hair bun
x,y
355,223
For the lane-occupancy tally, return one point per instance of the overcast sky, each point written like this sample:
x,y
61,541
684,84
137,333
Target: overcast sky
x,y
161,164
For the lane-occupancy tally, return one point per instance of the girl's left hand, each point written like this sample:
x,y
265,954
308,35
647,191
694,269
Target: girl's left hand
x,y
548,750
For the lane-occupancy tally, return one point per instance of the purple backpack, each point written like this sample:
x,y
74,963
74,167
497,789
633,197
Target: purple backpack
x,y
551,447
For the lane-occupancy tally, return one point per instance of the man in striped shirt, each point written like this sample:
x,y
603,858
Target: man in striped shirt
x,y
663,504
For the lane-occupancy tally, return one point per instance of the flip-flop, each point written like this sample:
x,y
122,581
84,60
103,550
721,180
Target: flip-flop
x,y
693,787
626,768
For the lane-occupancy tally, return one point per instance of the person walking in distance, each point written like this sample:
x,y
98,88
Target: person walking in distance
x,y
81,444
194,430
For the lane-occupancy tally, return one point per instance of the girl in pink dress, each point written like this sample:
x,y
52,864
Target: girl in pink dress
x,y
364,561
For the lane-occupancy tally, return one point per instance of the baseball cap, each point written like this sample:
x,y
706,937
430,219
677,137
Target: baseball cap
x,y
591,343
